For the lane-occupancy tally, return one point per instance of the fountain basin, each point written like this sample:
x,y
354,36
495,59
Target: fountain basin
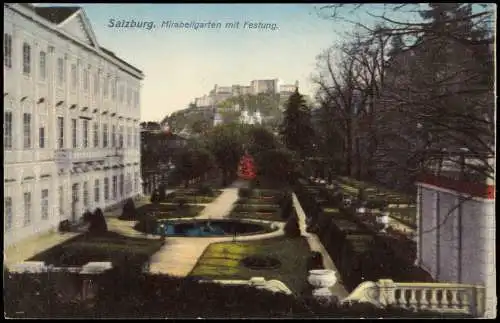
x,y
202,228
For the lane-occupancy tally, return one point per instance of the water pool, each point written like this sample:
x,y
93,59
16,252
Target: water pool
x,y
202,228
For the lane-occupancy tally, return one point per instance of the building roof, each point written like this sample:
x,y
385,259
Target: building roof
x,y
59,14
110,53
56,15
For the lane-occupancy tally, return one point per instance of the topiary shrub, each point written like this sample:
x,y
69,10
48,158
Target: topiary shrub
x,y
205,190
64,226
129,211
362,196
245,192
147,225
315,261
286,205
162,194
97,222
87,216
292,229
155,198
182,202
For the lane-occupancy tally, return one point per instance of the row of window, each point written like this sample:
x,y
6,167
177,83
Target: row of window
x,y
119,185
110,84
28,212
117,135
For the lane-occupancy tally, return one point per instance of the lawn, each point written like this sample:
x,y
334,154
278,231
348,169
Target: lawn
x,y
109,247
222,261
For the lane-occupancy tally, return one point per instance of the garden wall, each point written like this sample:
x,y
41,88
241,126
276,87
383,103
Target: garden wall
x,y
456,233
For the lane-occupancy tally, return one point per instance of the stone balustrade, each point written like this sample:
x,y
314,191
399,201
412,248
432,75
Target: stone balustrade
x,y
273,285
439,297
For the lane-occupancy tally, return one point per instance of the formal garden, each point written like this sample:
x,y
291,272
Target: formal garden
x,y
356,243
98,244
262,204
281,258
262,239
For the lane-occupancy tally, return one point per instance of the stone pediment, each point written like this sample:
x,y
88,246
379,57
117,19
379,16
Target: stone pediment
x,y
79,27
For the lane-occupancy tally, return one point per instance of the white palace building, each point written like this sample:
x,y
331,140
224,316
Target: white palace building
x,y
71,121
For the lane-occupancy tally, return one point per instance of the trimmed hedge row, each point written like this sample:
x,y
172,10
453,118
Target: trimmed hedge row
x,y
359,252
124,293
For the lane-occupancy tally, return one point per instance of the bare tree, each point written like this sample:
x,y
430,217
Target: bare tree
x,y
436,93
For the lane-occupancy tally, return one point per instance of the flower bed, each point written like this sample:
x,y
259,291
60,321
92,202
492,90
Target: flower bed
x,y
262,210
268,216
167,210
195,192
256,208
242,200
351,187
175,197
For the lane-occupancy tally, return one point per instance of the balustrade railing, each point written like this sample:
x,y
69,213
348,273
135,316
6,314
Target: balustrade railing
x,y
438,297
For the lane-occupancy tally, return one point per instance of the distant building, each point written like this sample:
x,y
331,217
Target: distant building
x,y
217,119
288,88
247,118
222,93
265,86
204,101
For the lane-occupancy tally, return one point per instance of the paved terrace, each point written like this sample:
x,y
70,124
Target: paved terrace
x,y
315,245
19,252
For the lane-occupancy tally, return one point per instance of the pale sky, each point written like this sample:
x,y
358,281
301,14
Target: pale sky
x,y
181,64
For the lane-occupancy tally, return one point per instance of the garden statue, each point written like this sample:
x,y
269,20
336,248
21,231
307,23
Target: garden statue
x,y
383,219
347,202
361,210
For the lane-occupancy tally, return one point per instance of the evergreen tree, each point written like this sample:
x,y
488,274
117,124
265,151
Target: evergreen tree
x,y
452,20
296,129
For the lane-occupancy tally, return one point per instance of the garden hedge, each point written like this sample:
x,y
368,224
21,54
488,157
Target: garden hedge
x,y
129,294
359,252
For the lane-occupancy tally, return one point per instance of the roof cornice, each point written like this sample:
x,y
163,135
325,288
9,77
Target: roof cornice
x,y
31,14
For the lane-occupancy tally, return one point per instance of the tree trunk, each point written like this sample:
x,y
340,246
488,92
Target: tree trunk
x,y
349,149
358,160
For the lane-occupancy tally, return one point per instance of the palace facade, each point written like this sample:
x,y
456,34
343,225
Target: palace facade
x,y
71,121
